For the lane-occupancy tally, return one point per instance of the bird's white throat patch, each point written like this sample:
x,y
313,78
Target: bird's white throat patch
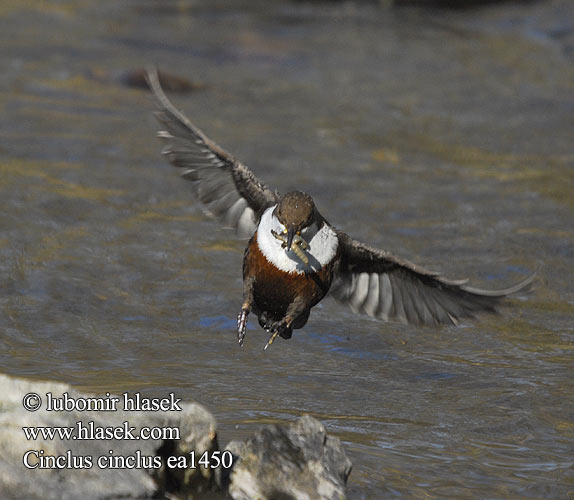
x,y
321,250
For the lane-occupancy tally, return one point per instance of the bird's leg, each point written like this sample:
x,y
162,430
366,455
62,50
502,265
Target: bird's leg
x,y
271,339
283,327
245,308
242,324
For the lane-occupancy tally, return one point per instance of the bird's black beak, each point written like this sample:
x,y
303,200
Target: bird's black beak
x,y
290,236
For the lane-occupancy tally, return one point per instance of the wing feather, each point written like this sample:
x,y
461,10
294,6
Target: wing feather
x,y
226,188
372,300
381,285
385,297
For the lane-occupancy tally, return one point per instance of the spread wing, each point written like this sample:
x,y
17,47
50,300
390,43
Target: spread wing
x,y
376,283
226,188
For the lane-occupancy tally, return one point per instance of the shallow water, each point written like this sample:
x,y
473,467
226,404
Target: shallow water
x,y
445,137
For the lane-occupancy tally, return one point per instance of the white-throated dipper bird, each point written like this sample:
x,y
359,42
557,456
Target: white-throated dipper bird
x,y
294,257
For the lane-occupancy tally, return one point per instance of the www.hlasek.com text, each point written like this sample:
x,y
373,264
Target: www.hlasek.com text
x,y
86,431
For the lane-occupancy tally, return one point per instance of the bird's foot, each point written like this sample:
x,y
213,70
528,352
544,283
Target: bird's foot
x,y
271,339
280,328
242,325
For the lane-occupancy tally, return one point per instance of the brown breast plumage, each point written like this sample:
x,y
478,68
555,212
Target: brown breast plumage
x,y
274,289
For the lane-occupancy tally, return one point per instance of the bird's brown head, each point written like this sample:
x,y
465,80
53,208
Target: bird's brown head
x,y
295,211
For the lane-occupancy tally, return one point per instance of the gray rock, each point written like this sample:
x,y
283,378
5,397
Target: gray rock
x,y
298,462
197,432
279,462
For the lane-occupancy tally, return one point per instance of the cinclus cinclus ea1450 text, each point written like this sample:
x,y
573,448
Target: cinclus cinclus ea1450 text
x,y
295,257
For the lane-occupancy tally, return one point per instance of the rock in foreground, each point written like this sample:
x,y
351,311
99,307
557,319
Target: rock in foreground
x,y
290,462
94,469
296,462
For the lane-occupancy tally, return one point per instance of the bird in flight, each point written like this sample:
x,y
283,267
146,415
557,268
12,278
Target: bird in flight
x,y
295,258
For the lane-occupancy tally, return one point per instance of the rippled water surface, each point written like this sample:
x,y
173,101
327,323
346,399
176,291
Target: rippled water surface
x,y
444,136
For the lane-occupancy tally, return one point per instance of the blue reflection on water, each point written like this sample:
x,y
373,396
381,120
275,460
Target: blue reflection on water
x,y
331,340
221,323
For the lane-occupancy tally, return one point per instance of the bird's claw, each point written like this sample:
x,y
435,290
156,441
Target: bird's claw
x,y
279,328
271,339
242,325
